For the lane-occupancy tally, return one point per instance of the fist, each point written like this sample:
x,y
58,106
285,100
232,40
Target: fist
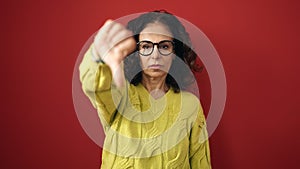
x,y
112,43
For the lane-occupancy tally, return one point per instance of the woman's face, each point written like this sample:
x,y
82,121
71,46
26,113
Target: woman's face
x,y
156,65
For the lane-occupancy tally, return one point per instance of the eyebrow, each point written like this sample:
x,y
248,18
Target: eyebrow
x,y
146,39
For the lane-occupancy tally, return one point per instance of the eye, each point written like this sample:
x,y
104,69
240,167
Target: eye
x,y
145,46
165,46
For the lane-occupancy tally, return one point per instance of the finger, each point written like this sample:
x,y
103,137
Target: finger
x,y
109,30
100,40
101,35
101,50
121,36
115,31
127,46
100,46
106,26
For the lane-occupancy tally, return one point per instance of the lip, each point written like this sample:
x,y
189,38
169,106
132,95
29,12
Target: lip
x,y
155,66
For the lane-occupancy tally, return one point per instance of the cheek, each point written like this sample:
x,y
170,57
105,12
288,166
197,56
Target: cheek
x,y
169,61
142,61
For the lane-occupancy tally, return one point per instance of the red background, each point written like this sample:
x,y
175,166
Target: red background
x,y
257,42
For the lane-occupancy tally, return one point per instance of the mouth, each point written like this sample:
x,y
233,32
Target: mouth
x,y
155,66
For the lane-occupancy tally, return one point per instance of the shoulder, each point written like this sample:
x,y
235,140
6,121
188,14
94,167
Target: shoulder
x,y
192,103
189,98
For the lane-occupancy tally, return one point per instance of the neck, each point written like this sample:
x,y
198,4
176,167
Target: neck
x,y
156,86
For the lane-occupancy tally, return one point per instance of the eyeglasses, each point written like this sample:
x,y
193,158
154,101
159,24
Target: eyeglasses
x,y
165,47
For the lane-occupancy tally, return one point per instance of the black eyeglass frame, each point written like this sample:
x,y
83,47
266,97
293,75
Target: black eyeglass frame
x,y
172,42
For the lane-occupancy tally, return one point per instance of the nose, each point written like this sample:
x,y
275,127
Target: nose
x,y
155,54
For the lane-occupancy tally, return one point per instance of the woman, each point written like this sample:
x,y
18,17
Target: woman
x,y
135,78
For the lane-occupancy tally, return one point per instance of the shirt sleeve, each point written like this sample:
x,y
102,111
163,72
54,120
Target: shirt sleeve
x,y
199,152
96,79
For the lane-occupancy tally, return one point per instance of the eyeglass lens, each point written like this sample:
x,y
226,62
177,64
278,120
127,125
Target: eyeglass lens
x,y
146,48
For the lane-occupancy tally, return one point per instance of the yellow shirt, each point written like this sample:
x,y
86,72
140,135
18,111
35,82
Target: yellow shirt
x,y
143,132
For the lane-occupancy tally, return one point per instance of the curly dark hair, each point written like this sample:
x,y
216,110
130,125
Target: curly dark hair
x,y
182,43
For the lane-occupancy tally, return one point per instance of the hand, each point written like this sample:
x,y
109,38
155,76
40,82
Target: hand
x,y
113,43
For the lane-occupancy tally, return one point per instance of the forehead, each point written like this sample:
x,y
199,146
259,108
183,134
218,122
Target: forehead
x,y
156,31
